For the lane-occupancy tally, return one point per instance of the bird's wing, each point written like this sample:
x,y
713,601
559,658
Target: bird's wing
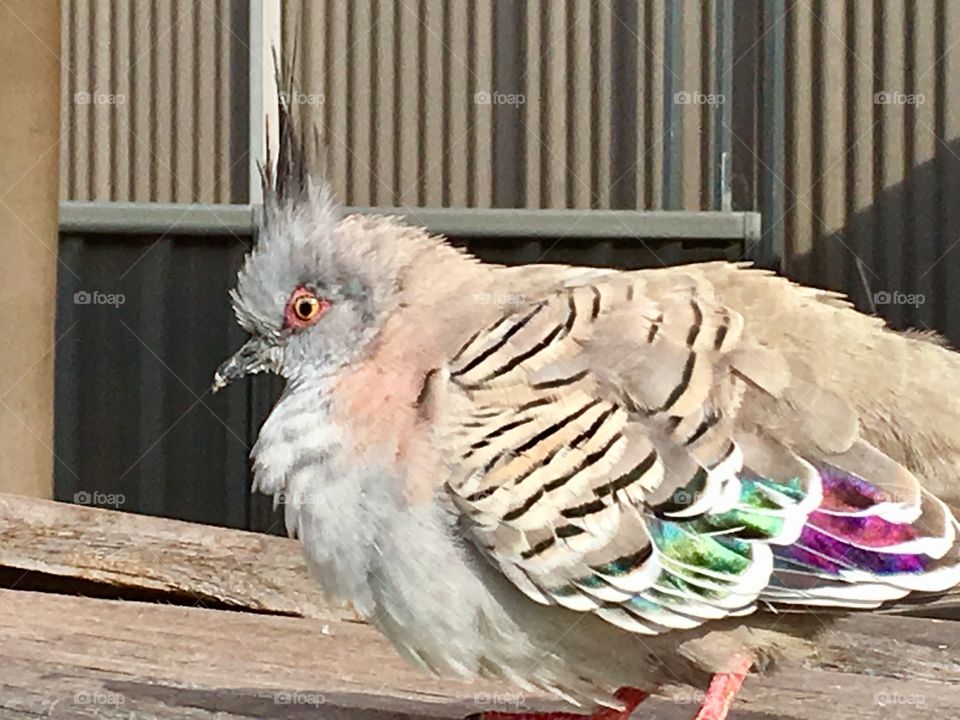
x,y
626,449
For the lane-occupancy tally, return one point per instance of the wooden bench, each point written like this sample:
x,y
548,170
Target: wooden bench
x,y
106,614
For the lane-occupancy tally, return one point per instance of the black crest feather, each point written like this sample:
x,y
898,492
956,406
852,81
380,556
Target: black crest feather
x,y
287,171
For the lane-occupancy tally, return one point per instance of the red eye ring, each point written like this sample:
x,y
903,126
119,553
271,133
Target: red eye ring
x,y
304,308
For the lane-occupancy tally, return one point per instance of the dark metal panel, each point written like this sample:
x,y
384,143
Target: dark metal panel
x,y
509,139
202,273
745,77
136,425
148,330
770,249
67,369
626,105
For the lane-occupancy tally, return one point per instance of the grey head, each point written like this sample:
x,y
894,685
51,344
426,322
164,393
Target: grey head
x,y
316,287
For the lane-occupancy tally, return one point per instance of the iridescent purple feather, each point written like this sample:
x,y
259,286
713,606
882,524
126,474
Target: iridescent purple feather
x,y
833,542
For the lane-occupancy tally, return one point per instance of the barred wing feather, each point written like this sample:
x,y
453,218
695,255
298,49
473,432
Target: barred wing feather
x,y
622,447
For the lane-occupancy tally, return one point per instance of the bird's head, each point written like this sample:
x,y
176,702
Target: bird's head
x,y
314,291
317,287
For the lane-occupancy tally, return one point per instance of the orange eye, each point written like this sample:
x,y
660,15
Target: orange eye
x,y
306,308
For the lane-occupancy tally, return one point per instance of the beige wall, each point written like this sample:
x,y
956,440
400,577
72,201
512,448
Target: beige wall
x,y
29,132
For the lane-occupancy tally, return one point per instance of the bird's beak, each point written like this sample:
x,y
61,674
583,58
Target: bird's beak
x,y
249,359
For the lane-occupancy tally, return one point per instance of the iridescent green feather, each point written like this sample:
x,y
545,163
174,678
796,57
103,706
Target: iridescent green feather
x,y
705,559
683,542
757,516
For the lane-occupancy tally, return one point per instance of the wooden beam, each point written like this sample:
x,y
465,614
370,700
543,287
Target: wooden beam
x,y
50,545
107,658
280,651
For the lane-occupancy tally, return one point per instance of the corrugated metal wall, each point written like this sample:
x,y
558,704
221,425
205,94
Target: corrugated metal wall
x,y
155,100
552,103
394,87
872,138
540,104
484,103
869,175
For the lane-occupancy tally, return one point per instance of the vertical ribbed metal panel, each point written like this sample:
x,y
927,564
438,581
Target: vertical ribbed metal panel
x,y
692,117
154,100
872,142
539,104
650,51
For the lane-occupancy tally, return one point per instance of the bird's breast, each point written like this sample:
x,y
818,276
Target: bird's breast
x,y
333,482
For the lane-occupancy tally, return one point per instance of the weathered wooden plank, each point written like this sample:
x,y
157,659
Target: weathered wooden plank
x,y
103,658
70,656
173,561
240,663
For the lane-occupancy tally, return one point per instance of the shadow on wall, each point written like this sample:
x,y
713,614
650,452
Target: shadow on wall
x,y
898,258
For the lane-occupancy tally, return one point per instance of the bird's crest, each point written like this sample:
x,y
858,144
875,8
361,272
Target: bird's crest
x,y
303,234
291,172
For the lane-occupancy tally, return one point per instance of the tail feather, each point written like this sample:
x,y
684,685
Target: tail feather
x,y
876,537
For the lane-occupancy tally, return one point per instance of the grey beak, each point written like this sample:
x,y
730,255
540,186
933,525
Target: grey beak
x,y
249,359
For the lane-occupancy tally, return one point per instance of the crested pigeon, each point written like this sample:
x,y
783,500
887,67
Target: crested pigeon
x,y
583,479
